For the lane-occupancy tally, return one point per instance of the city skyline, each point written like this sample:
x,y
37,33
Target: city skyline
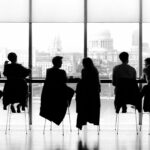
x,y
71,35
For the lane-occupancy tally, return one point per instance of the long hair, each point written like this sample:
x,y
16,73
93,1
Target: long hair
x,y
89,65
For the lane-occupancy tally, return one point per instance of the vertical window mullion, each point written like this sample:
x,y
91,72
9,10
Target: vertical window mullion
x,y
140,37
85,28
30,61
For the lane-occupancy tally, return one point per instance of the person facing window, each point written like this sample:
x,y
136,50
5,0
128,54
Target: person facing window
x,y
15,88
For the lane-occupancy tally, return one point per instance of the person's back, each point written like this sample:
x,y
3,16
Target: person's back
x,y
146,70
123,71
145,92
15,74
88,95
15,71
123,75
56,95
56,77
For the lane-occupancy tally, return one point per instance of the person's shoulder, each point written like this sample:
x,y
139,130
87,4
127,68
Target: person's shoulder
x,y
7,65
131,67
49,69
117,67
18,65
62,70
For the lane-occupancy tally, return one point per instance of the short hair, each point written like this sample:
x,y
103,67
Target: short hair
x,y
12,57
56,60
123,56
147,60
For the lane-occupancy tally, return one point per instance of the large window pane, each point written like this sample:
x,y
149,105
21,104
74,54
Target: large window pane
x,y
113,10
14,38
58,10
146,11
53,39
146,41
14,10
49,40
106,41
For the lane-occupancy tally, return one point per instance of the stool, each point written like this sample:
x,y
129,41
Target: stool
x,y
9,113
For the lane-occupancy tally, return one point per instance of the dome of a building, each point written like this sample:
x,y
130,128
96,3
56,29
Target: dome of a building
x,y
105,34
102,35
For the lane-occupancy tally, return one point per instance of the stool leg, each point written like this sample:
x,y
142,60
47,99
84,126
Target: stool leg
x,y
136,121
149,123
9,118
25,121
63,128
99,124
7,122
117,123
51,126
44,127
98,129
78,132
69,119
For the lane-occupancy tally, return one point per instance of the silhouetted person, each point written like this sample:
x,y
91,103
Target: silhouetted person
x,y
145,92
124,80
56,95
15,89
146,70
88,95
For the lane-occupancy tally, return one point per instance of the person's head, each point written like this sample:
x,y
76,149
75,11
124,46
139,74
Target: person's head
x,y
147,62
57,61
12,57
87,62
124,57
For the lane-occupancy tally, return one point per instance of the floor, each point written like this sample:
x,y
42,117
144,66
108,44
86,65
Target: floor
x,y
87,139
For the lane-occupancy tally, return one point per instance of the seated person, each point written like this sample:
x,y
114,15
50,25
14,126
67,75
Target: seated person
x,y
88,95
145,92
15,88
123,78
56,95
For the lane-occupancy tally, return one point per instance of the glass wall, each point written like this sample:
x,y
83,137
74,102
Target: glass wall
x,y
51,39
146,41
59,27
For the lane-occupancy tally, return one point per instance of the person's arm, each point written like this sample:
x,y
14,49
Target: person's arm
x,y
5,68
25,71
65,78
143,77
135,75
99,86
114,77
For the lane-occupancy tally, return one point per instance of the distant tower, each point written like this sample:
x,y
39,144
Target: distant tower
x,y
57,45
135,38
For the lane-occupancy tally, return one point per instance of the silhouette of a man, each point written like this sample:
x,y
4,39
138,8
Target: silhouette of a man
x,y
55,94
123,71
